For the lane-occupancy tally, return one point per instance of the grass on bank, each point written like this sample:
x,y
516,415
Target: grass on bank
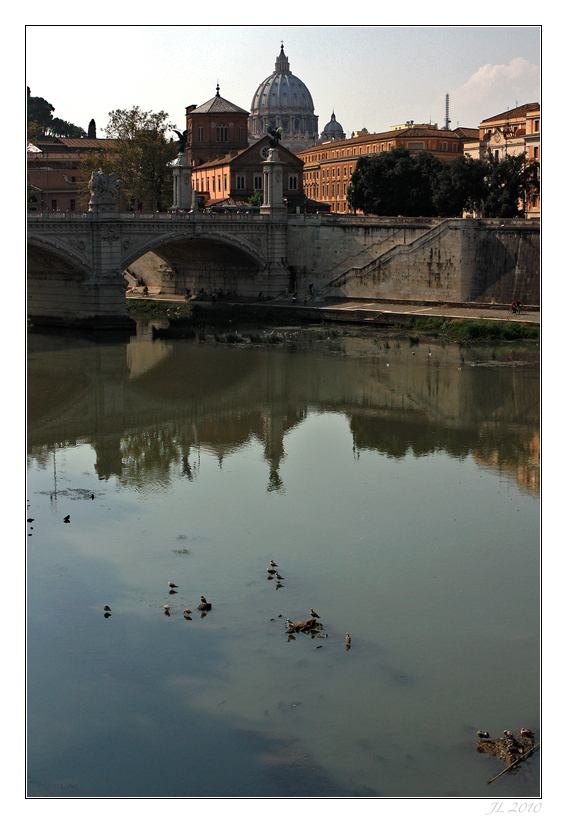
x,y
454,330
148,309
473,329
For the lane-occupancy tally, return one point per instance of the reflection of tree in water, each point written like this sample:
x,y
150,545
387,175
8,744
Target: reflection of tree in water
x,y
509,447
153,457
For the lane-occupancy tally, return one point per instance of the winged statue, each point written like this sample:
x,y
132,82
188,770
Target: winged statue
x,y
275,135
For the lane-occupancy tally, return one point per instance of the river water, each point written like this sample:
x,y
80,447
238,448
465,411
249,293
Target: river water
x,y
396,486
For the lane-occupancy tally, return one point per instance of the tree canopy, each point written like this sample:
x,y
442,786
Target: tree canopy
x,y
140,157
400,182
41,122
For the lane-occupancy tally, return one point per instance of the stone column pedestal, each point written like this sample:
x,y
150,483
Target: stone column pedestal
x,y
181,183
273,204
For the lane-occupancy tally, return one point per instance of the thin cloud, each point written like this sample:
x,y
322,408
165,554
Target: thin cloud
x,y
495,87
518,74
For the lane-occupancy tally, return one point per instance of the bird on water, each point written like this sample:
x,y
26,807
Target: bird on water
x,y
482,734
313,613
348,639
204,605
525,731
172,585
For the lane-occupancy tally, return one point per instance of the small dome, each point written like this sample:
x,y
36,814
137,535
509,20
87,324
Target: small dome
x,y
333,130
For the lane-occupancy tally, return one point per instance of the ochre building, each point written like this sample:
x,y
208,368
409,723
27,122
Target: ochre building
x,y
328,166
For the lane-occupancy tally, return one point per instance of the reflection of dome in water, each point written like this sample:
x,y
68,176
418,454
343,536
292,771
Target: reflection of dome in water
x,y
283,101
333,130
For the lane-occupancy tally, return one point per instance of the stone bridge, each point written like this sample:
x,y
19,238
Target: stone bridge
x,y
77,262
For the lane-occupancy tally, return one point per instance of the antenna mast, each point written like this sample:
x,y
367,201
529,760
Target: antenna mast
x,y
447,121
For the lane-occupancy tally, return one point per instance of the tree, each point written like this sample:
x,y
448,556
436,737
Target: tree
x,y
141,157
420,185
62,128
40,115
39,111
461,187
395,183
510,182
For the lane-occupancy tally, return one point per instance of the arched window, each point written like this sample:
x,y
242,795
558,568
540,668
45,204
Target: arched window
x,y
222,133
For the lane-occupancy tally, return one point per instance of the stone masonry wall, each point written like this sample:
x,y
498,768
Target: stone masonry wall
x,y
456,260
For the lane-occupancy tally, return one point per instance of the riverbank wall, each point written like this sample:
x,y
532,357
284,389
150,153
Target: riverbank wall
x,y
457,260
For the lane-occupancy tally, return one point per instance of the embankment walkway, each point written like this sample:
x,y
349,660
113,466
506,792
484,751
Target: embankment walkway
x,y
372,311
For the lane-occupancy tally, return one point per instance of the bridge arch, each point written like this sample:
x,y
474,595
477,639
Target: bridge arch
x,y
168,239
196,258
50,257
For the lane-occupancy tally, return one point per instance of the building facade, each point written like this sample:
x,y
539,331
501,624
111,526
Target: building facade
x,y
215,129
514,132
328,166
234,178
53,171
283,101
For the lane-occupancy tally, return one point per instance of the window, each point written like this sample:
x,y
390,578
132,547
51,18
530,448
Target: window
x,y
240,181
72,205
222,133
258,181
444,146
53,205
200,134
292,182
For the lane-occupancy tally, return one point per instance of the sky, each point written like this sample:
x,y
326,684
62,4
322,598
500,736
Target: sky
x,y
370,76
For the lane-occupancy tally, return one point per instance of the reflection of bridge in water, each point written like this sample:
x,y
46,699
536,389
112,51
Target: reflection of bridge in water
x,y
152,406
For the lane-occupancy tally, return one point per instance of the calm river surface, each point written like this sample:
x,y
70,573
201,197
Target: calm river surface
x,y
397,488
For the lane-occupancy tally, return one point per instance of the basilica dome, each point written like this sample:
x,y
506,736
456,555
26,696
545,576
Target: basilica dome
x,y
283,101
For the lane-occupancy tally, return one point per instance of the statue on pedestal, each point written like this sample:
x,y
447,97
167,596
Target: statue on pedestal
x,y
104,189
182,144
275,136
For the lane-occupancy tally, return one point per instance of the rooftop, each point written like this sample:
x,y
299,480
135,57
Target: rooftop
x,y
218,105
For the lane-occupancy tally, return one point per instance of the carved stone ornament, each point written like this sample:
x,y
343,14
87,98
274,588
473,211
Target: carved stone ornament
x,y
110,234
